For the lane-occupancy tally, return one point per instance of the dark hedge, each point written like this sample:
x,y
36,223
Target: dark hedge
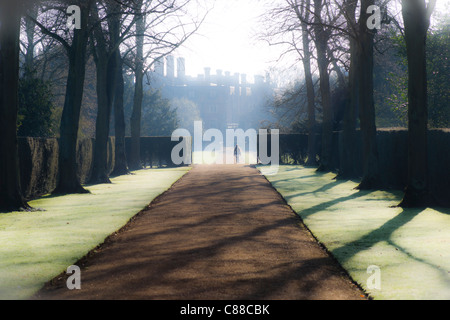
x,y
39,158
155,151
392,152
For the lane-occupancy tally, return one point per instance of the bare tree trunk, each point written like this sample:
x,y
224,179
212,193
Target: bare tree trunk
x,y
416,20
348,160
311,160
321,40
10,190
340,75
30,32
120,162
105,63
120,159
68,181
371,177
100,163
135,121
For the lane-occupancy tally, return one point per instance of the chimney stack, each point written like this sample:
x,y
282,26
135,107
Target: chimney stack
x,y
208,75
170,66
181,68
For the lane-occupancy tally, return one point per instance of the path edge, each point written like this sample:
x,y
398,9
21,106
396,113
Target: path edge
x,y
321,244
61,279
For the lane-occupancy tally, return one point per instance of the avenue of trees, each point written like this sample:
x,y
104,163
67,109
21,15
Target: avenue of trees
x,y
114,37
338,43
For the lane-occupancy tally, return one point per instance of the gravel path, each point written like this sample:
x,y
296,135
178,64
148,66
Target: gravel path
x,y
220,233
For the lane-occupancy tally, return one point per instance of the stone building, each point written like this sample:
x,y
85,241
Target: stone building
x,y
225,100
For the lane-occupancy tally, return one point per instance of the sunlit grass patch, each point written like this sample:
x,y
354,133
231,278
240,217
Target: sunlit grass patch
x,y
37,246
363,228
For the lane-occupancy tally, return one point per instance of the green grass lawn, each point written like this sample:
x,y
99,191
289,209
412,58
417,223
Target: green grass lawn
x,y
361,229
37,246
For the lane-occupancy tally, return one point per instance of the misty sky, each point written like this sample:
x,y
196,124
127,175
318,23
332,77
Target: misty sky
x,y
227,39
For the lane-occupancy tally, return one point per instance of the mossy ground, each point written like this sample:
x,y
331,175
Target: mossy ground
x,y
37,246
364,228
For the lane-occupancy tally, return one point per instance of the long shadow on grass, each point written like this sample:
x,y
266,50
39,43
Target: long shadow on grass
x,y
323,188
384,234
324,205
314,175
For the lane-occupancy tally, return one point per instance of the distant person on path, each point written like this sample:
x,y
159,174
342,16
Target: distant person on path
x,y
237,153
